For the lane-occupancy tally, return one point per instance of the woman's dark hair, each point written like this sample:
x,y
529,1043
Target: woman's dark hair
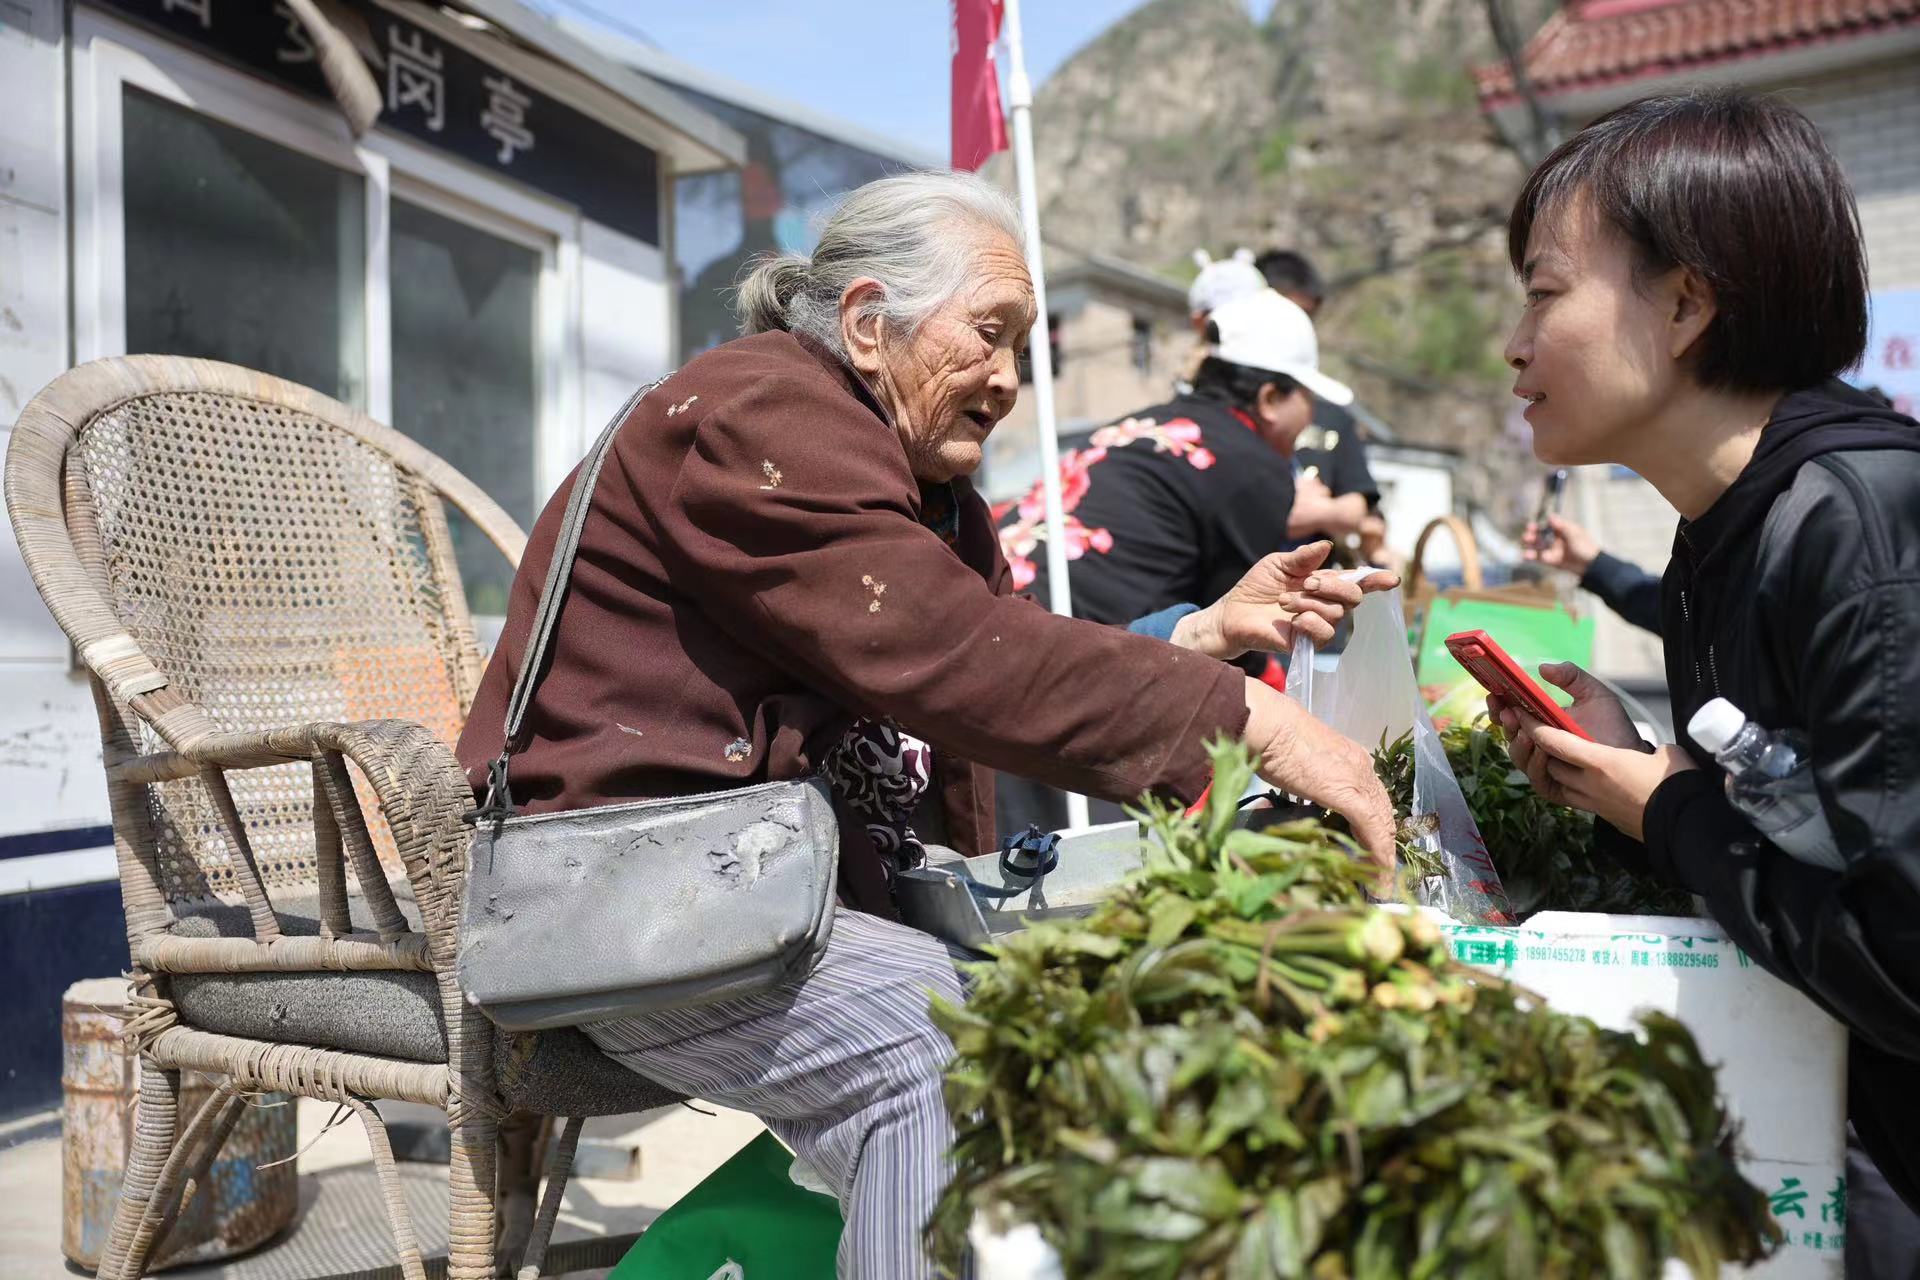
x,y
1236,385
1742,190
1290,272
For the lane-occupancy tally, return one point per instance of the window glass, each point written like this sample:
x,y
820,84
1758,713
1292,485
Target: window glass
x,y
465,382
1142,349
242,250
723,220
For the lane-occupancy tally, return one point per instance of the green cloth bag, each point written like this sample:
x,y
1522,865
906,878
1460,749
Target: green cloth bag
x,y
748,1221
1531,634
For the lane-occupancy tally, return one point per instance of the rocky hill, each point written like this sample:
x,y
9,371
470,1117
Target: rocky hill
x,y
1345,128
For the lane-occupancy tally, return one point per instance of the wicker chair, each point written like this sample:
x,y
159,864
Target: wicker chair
x,y
261,583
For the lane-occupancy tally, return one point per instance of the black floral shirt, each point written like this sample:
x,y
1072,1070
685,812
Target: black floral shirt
x,y
1168,506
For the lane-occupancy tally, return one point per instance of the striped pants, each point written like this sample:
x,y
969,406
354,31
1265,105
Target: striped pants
x,y
844,1065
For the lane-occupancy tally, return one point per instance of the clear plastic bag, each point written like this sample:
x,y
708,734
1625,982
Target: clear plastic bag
x,y
1370,696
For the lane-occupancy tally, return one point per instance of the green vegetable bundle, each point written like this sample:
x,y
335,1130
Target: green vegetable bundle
x,y
1543,851
1238,1069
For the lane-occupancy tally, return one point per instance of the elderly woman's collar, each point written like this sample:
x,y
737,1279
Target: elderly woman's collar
x,y
848,375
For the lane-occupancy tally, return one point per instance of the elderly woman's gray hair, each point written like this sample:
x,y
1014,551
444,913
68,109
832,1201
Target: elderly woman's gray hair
x,y
916,234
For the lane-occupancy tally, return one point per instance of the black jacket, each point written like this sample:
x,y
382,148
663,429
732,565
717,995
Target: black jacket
x,y
1337,448
1625,588
1797,597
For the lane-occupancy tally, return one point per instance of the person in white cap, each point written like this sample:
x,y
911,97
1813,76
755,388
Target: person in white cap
x,y
1334,492
1220,281
1176,502
1334,449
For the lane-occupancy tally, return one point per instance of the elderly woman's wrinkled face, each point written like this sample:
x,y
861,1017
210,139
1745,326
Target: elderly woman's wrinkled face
x,y
948,384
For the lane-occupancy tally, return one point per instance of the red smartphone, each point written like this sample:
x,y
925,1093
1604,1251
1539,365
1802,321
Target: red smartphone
x,y
1498,673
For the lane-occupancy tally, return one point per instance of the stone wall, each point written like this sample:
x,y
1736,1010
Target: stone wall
x,y
1871,119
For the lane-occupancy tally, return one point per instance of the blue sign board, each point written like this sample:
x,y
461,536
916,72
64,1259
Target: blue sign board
x,y
1892,362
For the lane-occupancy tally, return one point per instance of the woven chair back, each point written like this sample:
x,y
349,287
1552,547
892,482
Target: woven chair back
x,y
280,566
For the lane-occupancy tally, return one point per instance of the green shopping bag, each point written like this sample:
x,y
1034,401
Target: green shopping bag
x,y
1529,623
1530,633
748,1221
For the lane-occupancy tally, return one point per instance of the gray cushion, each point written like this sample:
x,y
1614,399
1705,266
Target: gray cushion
x,y
396,1015
562,1073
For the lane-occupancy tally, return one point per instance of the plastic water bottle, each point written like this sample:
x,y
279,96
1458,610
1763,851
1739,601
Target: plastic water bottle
x,y
1770,780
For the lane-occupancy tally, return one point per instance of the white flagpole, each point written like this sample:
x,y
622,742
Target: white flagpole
x,y
1039,346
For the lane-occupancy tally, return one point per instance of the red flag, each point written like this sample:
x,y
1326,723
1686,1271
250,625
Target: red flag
x,y
979,128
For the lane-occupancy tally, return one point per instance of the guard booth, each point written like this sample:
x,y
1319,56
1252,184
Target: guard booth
x,y
488,269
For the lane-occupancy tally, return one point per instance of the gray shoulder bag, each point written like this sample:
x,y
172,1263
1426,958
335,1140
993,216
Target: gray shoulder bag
x,y
633,908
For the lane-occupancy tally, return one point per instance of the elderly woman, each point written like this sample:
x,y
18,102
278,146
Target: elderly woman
x,y
785,572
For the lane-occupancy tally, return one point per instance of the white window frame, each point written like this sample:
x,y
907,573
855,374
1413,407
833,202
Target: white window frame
x,y
109,55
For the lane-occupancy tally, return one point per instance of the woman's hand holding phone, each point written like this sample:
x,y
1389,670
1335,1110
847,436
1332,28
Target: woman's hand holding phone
x,y
1595,708
1612,777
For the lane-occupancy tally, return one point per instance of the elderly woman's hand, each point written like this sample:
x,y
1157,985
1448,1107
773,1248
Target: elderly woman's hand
x,y
1303,757
1279,596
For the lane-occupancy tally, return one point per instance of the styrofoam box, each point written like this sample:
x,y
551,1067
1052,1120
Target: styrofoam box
x,y
1782,1061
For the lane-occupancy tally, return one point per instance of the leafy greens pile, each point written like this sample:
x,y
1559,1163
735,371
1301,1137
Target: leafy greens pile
x,y
1238,1069
1543,851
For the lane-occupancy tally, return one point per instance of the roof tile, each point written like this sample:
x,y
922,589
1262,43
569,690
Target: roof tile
x,y
1594,43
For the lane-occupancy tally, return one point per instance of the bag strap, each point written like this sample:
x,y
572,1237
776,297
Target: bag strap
x,y
553,596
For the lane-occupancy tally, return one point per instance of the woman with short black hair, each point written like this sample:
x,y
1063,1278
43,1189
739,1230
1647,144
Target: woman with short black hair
x,y
1694,283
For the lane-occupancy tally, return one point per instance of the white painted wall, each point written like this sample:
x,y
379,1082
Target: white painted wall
x,y
49,743
50,776
626,305
33,275
1631,520
1413,494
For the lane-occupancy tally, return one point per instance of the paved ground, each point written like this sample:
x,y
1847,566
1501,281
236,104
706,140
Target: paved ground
x,y
676,1146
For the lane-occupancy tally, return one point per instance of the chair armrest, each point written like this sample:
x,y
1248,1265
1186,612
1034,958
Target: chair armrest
x,y
414,775
424,796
